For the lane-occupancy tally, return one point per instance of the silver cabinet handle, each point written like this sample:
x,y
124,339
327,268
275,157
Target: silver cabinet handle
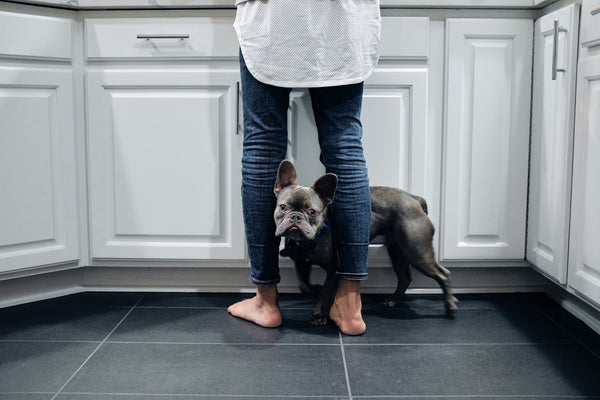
x,y
555,69
149,36
596,11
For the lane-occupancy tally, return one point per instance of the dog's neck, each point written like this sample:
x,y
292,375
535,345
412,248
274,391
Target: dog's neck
x,y
311,244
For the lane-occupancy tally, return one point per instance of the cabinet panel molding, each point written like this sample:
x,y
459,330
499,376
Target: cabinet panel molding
x,y
163,155
37,169
487,137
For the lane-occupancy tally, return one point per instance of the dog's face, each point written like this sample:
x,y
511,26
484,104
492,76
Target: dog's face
x,y
300,210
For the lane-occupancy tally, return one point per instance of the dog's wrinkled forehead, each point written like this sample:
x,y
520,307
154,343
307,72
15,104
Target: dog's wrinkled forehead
x,y
300,197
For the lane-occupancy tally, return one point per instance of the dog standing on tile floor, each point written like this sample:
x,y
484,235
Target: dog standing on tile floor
x,y
400,217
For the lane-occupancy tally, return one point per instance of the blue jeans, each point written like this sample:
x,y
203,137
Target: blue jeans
x,y
337,115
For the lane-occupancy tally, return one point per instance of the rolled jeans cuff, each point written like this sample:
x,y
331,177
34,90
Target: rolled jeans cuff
x,y
259,282
352,277
352,261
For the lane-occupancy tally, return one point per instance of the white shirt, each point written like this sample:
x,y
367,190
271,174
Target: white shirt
x,y
309,43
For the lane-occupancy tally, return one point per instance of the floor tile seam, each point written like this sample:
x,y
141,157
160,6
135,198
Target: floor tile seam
x,y
261,396
332,344
346,374
47,341
477,396
96,349
515,344
21,392
575,338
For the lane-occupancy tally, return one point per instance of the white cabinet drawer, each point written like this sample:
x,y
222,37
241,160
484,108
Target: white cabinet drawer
x,y
197,37
34,36
404,38
590,23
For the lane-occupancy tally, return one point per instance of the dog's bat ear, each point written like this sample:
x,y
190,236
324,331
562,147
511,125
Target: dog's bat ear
x,y
286,176
325,187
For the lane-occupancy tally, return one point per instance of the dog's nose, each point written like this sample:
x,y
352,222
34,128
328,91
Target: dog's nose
x,y
295,218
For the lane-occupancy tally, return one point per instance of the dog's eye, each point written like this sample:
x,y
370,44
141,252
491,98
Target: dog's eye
x,y
283,207
312,212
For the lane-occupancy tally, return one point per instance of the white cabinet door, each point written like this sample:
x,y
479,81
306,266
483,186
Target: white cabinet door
x,y
488,85
164,164
38,201
552,141
584,251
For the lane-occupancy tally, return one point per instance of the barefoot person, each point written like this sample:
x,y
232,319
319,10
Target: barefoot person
x,y
329,47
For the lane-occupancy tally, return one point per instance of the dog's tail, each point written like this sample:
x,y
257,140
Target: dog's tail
x,y
422,202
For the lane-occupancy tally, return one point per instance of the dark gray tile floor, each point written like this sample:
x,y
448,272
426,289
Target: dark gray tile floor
x,y
171,346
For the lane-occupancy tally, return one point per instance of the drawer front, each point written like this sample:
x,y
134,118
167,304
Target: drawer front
x,y
404,38
590,23
34,36
152,38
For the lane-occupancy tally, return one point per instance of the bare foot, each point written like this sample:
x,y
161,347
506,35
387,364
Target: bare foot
x,y
262,309
346,309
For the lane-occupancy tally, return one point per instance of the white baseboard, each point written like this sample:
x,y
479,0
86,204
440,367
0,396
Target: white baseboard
x,y
40,287
234,278
587,313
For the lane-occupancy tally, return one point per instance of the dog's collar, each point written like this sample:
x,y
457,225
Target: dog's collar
x,y
324,228
312,243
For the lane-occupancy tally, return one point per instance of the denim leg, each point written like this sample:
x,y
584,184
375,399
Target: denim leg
x,y
337,115
265,145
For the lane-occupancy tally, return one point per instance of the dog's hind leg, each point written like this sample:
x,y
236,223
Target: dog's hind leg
x,y
429,267
403,273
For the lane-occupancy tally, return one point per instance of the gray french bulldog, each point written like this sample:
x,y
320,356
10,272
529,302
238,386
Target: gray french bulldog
x,y
400,217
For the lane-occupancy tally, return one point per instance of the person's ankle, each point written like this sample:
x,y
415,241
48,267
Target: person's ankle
x,y
346,312
268,295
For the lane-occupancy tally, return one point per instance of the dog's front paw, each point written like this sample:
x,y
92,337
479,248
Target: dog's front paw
x,y
451,305
389,303
317,320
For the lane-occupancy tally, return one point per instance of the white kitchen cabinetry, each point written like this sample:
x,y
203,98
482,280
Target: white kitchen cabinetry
x,y
164,150
38,198
584,251
552,127
488,83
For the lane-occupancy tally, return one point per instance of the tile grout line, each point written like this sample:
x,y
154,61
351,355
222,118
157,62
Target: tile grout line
x,y
345,367
95,350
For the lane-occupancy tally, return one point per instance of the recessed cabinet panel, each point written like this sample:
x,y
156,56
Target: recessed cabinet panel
x,y
160,156
37,169
552,141
584,252
487,138
163,155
